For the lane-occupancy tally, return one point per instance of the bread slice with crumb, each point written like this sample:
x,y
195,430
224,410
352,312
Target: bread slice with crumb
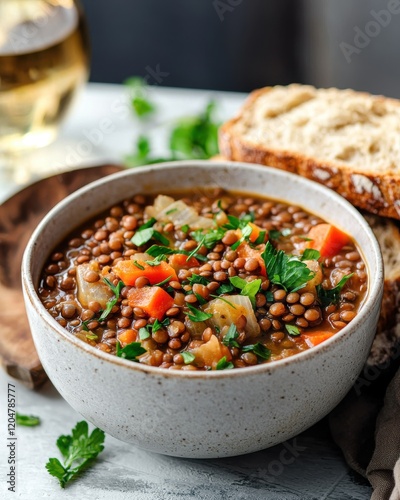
x,y
347,140
387,336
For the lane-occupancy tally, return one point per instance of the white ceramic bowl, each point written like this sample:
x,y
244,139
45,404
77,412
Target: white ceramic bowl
x,y
201,414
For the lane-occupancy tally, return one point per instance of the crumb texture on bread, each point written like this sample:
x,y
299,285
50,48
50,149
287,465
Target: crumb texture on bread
x,y
357,129
347,140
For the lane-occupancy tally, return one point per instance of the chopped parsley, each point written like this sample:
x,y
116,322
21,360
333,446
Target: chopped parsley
x,y
161,252
230,337
26,420
331,296
144,333
188,357
248,288
223,364
196,278
311,254
196,315
111,303
146,232
210,238
288,272
246,232
259,350
131,351
292,330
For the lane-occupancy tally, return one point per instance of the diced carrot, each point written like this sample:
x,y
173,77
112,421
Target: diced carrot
x,y
246,252
180,261
255,233
130,270
128,336
153,300
328,239
314,338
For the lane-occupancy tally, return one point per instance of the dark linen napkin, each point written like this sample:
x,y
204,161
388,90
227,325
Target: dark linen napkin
x,y
366,426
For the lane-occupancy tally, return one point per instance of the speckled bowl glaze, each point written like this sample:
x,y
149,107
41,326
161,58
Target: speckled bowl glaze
x,y
201,414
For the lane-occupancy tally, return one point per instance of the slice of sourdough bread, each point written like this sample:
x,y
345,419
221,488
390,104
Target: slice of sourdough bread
x,y
347,140
388,331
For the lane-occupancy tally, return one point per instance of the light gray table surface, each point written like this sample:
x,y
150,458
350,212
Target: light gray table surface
x,y
307,467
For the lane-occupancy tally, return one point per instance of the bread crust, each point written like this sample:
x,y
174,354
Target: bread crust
x,y
378,193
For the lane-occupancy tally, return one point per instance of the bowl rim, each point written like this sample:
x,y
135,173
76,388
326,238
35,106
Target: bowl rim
x,y
375,288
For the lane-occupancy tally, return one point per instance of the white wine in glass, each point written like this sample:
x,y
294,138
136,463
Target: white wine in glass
x,y
43,62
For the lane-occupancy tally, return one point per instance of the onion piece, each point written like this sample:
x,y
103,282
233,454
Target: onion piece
x,y
196,328
160,203
91,292
224,314
178,213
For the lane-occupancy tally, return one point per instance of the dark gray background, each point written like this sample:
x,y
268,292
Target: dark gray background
x,y
253,43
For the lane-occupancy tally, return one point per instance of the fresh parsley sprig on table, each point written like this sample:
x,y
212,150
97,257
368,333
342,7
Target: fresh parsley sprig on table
x,y
26,420
78,450
194,137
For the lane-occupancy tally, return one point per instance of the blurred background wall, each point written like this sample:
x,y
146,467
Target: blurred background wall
x,y
243,44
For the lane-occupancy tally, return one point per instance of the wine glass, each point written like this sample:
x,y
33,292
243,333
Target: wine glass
x,y
43,62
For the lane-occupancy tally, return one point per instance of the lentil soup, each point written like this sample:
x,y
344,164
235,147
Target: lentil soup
x,y
204,280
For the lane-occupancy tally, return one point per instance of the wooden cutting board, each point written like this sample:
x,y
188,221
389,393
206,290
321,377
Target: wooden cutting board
x,y
19,216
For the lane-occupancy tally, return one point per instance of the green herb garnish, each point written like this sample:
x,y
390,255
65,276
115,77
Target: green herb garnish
x,y
197,315
194,252
78,449
138,265
259,350
288,272
185,228
331,296
311,254
144,333
146,232
141,104
130,351
26,420
161,252
200,280
210,238
157,325
163,282
171,211
248,288
292,330
92,336
225,288
246,232
188,357
111,303
230,337
260,238
223,364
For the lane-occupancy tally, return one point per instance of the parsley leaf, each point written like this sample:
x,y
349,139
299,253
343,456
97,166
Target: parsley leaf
x,y
197,315
146,232
160,252
163,282
230,337
188,357
26,420
223,364
292,330
260,238
225,288
196,137
78,449
288,272
246,232
332,296
141,105
259,350
196,278
210,238
311,254
130,351
185,228
144,333
111,303
249,288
